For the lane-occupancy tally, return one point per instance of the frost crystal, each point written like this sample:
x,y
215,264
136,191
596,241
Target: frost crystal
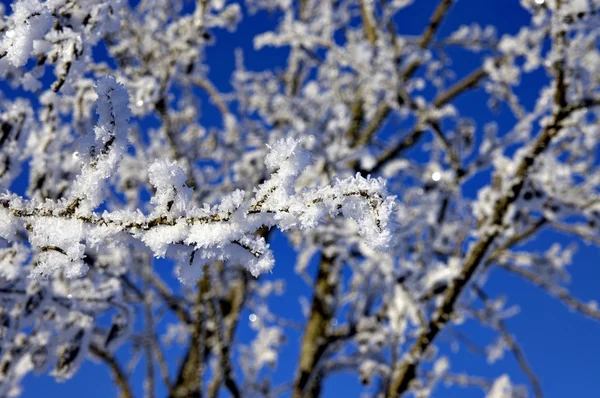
x,y
35,21
59,243
104,152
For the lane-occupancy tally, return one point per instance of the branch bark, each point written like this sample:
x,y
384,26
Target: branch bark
x,y
188,383
318,327
116,370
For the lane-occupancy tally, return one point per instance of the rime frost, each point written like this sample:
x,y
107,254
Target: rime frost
x,y
142,201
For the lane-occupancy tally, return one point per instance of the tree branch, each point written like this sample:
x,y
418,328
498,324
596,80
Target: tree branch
x,y
500,326
413,137
315,339
405,370
384,109
562,294
118,374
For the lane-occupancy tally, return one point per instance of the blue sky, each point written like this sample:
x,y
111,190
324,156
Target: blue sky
x,y
563,348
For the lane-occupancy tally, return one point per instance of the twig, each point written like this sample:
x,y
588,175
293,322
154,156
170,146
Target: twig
x,y
384,109
412,138
172,302
118,374
212,93
500,326
562,294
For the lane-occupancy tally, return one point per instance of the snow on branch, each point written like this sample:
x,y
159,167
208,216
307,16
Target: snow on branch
x,y
61,230
103,152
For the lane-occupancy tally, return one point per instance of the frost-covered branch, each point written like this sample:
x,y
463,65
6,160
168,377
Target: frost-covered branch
x,y
212,232
405,370
120,378
587,309
134,142
488,316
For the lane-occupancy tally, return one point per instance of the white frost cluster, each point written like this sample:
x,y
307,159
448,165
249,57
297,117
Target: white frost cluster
x,y
59,244
287,158
104,152
33,21
8,227
171,191
264,350
502,388
12,260
275,203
